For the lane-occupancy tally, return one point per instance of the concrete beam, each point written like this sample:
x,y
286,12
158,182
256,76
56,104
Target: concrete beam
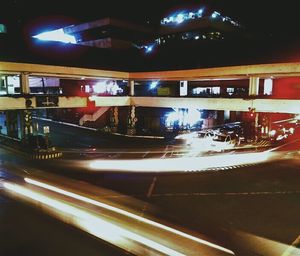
x,y
12,103
201,103
72,102
234,72
260,105
59,71
261,70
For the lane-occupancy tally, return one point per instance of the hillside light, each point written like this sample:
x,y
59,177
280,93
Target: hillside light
x,y
56,35
179,18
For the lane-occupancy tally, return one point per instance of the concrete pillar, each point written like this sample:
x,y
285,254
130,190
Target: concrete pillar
x,y
131,121
265,126
25,83
26,124
256,125
253,86
3,84
268,86
114,119
131,88
183,90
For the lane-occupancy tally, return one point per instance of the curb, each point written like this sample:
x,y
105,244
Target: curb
x,y
46,156
34,156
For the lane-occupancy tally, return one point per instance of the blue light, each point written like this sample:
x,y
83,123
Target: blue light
x,y
171,19
153,85
191,15
215,14
149,48
56,35
200,11
179,18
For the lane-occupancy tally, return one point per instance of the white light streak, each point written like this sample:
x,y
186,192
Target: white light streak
x,y
91,223
179,164
125,213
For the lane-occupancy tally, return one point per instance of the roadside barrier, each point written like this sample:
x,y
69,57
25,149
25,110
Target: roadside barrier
x,y
46,156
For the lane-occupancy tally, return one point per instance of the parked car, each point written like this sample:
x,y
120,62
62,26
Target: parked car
x,y
205,134
223,141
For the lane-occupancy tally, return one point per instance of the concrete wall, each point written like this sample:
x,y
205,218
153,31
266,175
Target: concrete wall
x,y
286,88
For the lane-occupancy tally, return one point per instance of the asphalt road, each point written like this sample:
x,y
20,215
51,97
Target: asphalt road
x,y
251,209
65,136
26,231
260,200
82,143
85,215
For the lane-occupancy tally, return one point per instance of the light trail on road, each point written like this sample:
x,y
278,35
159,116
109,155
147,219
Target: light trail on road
x,y
180,164
94,224
125,213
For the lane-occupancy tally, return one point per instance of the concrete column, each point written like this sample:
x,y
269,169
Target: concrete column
x,y
183,90
25,83
256,126
253,86
26,124
131,121
268,86
131,88
5,83
114,119
265,126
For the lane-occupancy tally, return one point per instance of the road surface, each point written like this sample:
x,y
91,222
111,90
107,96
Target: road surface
x,y
239,207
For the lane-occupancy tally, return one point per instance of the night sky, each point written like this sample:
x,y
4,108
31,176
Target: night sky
x,y
267,16
273,26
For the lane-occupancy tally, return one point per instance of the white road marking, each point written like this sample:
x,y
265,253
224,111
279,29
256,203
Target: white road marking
x,y
229,193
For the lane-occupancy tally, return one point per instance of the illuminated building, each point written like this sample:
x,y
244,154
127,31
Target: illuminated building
x,y
196,25
184,26
109,33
